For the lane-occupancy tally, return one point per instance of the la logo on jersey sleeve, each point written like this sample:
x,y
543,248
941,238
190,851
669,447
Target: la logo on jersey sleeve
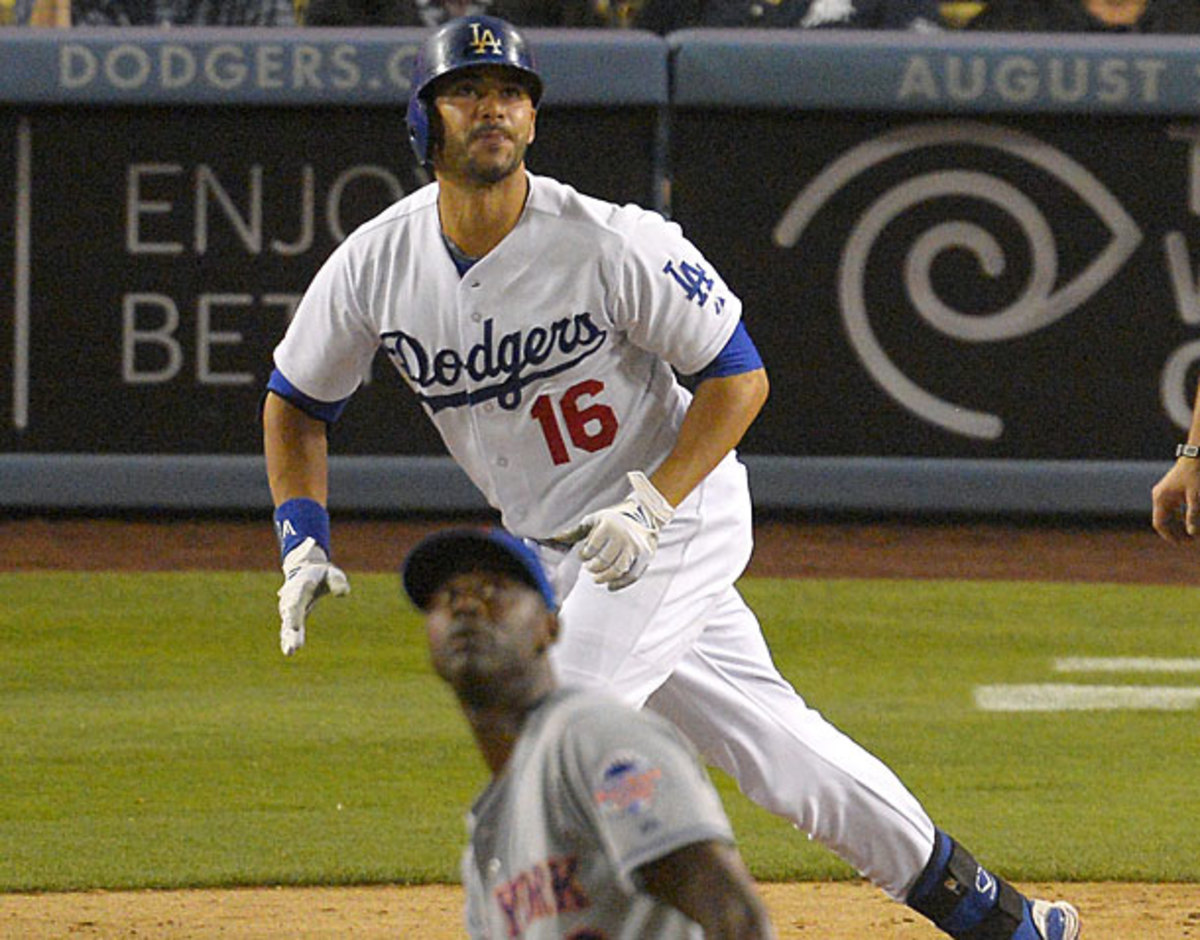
x,y
696,283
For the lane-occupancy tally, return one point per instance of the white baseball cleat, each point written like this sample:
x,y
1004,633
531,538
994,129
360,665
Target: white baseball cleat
x,y
1056,920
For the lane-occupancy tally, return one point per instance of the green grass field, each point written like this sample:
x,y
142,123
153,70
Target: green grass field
x,y
153,736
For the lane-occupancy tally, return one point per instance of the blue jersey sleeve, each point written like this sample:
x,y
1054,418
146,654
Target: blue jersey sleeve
x,y
327,411
739,355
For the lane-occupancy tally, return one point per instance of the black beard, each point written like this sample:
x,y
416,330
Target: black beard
x,y
490,175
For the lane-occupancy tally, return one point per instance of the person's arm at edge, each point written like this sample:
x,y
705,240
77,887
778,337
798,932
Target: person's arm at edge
x,y
1179,489
709,882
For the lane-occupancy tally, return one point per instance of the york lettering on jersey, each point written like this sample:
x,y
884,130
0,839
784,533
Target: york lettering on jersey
x,y
546,889
493,367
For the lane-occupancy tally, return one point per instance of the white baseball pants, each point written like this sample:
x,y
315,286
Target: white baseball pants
x,y
683,642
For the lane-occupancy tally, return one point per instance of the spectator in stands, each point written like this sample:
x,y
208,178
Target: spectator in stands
x,y
35,12
431,13
182,13
1090,16
958,13
663,16
427,13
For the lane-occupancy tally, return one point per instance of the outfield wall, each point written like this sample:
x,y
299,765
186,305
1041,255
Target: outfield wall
x,y
972,263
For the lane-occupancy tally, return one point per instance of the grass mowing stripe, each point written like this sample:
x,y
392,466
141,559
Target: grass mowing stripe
x,y
1062,697
1125,664
154,736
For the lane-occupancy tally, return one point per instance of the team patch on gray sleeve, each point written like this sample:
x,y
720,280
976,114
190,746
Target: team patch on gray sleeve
x,y
627,784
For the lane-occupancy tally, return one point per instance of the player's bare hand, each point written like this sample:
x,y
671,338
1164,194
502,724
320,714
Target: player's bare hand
x,y
620,540
1176,499
307,576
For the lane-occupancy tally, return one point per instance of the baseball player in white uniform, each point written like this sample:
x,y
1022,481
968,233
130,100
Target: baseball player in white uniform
x,y
542,330
599,821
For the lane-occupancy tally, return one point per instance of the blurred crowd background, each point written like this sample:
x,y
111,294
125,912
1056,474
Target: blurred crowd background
x,y
659,16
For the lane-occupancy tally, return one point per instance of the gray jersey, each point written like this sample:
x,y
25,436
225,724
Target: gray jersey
x,y
593,791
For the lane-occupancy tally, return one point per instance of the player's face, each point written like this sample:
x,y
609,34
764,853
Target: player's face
x,y
488,635
487,123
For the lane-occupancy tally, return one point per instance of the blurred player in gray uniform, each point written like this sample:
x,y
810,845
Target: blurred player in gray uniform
x,y
542,331
599,821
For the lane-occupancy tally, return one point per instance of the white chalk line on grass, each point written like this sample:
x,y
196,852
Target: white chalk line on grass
x,y
1062,697
1125,664
1054,697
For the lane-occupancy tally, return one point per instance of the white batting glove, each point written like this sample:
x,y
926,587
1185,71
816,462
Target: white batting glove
x,y
307,575
619,541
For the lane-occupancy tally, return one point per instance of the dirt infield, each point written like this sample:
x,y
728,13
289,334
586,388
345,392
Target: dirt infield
x,y
783,548
829,911
821,911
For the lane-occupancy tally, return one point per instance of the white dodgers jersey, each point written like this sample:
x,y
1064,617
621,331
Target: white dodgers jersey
x,y
547,367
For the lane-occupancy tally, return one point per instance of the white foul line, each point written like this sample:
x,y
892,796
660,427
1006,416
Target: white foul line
x,y
1124,664
1048,697
20,416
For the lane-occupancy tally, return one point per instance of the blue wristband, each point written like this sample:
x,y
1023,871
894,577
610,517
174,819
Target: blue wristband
x,y
299,519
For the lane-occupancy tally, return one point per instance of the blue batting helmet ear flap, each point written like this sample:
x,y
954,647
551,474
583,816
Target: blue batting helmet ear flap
x,y
460,44
417,120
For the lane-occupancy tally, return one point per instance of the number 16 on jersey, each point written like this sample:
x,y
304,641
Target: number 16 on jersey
x,y
590,425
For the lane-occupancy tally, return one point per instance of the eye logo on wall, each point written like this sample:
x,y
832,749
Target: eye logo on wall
x,y
1041,300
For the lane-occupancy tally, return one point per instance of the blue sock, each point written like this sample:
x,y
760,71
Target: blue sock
x,y
966,900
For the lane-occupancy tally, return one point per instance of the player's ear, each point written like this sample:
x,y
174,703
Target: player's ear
x,y
547,634
435,127
532,127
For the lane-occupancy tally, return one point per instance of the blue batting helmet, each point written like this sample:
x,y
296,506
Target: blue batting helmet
x,y
460,44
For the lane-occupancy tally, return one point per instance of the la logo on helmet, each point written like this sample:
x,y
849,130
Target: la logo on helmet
x,y
483,40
